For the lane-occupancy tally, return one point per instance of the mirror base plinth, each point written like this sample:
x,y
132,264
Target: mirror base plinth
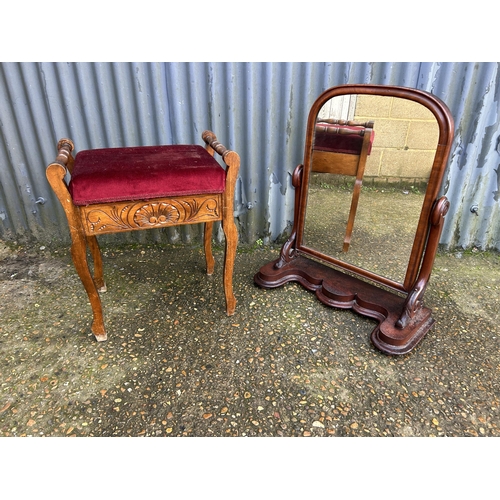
x,y
337,289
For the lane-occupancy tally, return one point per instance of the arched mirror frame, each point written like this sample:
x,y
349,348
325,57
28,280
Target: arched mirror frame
x,y
445,124
403,320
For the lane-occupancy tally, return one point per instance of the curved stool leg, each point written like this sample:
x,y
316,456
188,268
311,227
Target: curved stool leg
x,y
231,234
207,243
79,255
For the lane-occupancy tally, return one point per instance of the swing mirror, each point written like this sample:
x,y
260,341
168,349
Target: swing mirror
x,y
367,217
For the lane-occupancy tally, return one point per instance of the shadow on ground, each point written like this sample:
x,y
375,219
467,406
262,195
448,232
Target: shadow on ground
x,y
283,365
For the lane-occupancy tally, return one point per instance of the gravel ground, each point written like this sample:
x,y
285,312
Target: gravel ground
x,y
283,365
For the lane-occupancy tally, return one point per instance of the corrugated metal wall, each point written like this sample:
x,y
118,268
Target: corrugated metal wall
x,y
257,109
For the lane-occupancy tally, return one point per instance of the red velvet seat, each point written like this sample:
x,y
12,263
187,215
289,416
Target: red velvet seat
x,y
142,173
331,137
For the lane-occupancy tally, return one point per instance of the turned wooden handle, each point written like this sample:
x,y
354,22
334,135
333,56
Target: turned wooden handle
x,y
325,126
64,148
211,139
347,123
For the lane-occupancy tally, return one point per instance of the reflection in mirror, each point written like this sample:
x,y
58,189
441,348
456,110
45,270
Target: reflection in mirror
x,y
368,180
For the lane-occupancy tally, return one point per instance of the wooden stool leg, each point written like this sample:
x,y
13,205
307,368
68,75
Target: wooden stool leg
x,y
352,214
231,234
232,161
97,258
357,186
79,255
207,243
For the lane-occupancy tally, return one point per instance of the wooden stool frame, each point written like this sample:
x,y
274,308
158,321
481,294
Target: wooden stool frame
x,y
85,222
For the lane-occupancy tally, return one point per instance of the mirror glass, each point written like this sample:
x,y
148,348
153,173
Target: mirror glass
x,y
400,156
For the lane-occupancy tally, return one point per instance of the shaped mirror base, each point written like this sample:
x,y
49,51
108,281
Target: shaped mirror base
x,y
337,289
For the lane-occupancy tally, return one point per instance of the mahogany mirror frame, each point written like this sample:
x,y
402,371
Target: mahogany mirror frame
x,y
398,306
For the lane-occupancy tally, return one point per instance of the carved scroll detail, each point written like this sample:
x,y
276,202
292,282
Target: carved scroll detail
x,y
128,216
288,250
414,302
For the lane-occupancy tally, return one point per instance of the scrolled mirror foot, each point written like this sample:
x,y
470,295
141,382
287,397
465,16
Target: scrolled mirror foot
x,y
397,341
